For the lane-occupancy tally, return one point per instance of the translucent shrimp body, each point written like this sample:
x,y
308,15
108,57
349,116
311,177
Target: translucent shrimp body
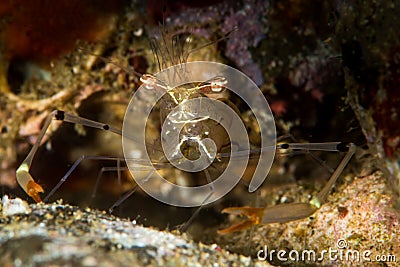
x,y
192,121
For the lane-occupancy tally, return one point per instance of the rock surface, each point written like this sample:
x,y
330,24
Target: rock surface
x,y
62,235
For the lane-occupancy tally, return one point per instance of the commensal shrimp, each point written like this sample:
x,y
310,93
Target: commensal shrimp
x,y
198,131
194,131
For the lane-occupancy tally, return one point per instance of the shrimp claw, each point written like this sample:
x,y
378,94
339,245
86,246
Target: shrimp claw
x,y
276,214
254,216
28,184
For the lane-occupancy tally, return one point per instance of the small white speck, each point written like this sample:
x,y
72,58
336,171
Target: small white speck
x,y
138,32
17,262
14,206
136,154
89,261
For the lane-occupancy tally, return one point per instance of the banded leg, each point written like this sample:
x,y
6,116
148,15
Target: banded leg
x,y
24,178
292,211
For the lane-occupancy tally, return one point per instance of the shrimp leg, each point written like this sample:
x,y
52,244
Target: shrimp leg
x,y
292,211
24,178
